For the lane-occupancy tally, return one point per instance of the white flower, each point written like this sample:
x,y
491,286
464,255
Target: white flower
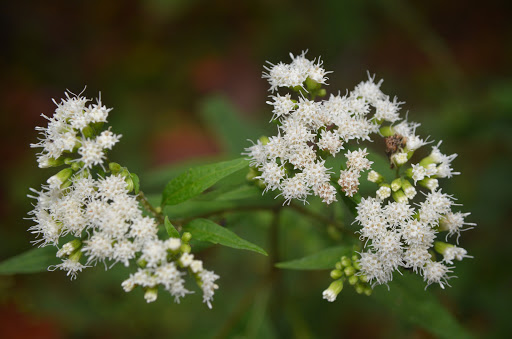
x,y
91,152
418,173
454,253
272,174
295,188
383,192
357,160
349,182
387,110
454,223
416,256
400,158
98,247
69,265
330,141
208,285
436,272
369,90
283,105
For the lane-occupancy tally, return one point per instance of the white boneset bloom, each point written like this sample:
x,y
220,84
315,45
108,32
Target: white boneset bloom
x,y
370,90
349,182
454,223
418,173
400,158
454,253
436,273
330,141
383,192
91,152
387,110
283,105
71,266
208,286
272,174
357,160
416,256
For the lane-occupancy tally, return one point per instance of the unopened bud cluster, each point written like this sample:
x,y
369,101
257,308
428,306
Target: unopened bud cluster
x,y
93,202
347,271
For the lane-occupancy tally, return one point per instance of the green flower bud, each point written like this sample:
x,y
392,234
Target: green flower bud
x,y
76,256
334,289
399,196
321,92
186,237
142,263
264,140
375,177
129,184
114,167
59,179
441,247
353,280
253,173
339,266
151,294
75,166
52,162
368,291
430,183
185,248
336,274
311,84
349,271
387,131
345,261
396,184
427,161
359,288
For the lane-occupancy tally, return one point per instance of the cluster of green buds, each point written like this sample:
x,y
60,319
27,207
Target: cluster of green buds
x,y
347,270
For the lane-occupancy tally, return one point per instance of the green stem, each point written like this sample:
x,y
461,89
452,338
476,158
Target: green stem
x,y
156,212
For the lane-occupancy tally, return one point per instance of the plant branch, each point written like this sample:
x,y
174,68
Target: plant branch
x,y
156,212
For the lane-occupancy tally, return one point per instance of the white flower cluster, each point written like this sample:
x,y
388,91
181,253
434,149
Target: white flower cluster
x,y
100,212
69,130
399,233
291,162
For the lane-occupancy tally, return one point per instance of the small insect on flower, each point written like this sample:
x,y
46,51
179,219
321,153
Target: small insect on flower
x,y
394,144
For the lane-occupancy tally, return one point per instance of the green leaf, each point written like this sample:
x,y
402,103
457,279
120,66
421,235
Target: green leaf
x,y
31,261
323,260
207,230
196,180
171,230
408,298
225,121
136,182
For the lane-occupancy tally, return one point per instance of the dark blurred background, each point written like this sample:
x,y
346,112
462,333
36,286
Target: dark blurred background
x,y
157,62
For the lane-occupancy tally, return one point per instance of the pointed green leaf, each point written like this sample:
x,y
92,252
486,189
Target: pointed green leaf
x,y
196,180
207,230
323,260
171,230
31,261
408,298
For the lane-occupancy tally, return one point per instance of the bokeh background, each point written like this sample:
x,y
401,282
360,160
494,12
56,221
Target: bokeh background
x,y
159,62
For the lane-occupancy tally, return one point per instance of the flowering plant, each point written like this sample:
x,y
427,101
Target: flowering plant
x,y
351,152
